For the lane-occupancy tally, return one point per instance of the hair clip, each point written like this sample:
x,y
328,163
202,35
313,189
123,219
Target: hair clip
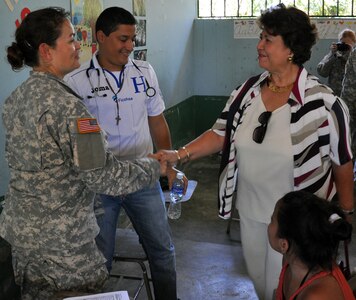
x,y
28,44
333,218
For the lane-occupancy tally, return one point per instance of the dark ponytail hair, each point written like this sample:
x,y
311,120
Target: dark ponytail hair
x,y
313,226
40,26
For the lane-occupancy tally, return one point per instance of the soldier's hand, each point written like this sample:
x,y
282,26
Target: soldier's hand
x,y
333,48
163,163
170,156
163,168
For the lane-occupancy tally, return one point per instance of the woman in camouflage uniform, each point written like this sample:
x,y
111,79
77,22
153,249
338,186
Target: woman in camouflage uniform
x,y
57,158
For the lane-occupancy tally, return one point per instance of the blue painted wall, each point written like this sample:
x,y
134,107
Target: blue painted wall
x,y
8,78
221,62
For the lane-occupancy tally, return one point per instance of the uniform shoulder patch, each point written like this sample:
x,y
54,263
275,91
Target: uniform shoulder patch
x,y
88,125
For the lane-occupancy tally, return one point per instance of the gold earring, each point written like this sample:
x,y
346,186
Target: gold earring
x,y
290,58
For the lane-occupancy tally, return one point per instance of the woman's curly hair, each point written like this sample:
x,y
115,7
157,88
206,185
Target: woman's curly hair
x,y
295,28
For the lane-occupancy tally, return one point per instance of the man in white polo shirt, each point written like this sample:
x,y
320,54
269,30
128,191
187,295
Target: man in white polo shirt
x,y
124,96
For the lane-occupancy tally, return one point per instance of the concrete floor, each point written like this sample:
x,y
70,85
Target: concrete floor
x,y
210,264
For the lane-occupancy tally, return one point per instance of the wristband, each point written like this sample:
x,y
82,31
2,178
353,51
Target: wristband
x,y
348,211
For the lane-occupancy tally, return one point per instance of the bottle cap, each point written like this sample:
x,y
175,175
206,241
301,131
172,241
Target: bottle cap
x,y
180,175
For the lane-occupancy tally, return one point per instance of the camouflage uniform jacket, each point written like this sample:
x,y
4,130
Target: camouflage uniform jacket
x,y
333,67
348,93
55,169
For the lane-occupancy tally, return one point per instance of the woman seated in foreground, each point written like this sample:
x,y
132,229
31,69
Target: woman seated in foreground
x,y
307,231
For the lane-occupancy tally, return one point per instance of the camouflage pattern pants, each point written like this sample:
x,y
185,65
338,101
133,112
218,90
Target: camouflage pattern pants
x,y
42,274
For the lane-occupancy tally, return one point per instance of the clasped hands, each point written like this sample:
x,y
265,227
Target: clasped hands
x,y
168,160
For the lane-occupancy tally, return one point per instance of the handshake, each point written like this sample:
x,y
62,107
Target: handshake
x,y
168,160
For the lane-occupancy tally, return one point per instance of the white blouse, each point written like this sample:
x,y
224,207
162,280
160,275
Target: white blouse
x,y
265,171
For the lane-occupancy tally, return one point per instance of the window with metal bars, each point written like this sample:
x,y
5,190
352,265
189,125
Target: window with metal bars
x,y
253,8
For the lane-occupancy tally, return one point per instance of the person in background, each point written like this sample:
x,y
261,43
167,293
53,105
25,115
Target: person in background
x,y
124,95
58,159
348,94
333,64
279,131
307,230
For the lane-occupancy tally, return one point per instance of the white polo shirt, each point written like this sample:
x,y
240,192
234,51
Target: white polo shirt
x,y
129,138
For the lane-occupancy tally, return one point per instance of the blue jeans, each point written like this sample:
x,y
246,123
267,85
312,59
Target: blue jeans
x,y
147,212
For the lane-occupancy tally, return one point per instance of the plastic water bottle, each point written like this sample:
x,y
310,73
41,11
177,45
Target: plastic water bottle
x,y
176,195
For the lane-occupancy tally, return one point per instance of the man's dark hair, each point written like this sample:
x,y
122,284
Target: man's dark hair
x,y
111,18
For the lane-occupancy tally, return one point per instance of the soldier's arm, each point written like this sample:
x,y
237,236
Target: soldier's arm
x,y
84,147
325,66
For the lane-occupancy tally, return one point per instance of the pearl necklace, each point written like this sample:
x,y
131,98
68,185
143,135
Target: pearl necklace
x,y
278,89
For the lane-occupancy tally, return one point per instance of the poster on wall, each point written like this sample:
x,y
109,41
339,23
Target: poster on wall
x,y
139,8
330,29
84,15
140,39
140,54
139,11
327,28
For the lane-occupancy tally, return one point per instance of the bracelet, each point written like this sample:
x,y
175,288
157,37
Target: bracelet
x,y
348,211
187,152
176,151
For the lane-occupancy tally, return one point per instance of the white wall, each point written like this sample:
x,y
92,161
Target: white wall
x,y
170,44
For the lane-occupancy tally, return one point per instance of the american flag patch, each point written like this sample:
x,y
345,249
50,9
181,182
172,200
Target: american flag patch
x,y
88,125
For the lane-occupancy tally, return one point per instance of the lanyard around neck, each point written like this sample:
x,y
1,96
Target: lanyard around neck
x,y
115,97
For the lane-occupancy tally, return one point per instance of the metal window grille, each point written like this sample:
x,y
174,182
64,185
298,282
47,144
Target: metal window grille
x,y
253,8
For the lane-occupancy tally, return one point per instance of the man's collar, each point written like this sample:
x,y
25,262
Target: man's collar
x,y
95,63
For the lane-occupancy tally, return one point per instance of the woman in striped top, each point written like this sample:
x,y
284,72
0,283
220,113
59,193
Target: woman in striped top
x,y
280,131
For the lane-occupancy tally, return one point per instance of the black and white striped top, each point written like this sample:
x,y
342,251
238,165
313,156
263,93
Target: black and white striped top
x,y
319,129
